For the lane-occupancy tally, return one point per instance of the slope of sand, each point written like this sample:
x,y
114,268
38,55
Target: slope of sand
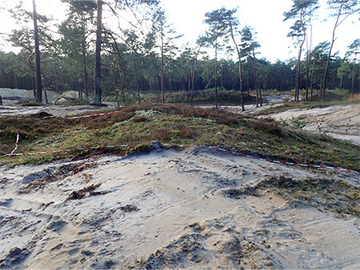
x,y
341,122
169,209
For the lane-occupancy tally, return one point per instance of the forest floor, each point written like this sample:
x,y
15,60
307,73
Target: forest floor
x,y
192,207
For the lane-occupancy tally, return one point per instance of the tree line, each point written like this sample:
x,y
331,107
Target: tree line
x,y
85,55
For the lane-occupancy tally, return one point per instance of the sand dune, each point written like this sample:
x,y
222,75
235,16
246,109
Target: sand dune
x,y
191,209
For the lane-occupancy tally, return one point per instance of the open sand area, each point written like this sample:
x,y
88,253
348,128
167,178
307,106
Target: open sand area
x,y
341,122
195,208
55,110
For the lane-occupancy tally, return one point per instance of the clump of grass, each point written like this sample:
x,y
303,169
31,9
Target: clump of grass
x,y
162,134
139,119
270,126
354,98
185,131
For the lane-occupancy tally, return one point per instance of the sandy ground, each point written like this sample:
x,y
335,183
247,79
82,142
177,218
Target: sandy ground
x,y
56,110
341,122
12,96
168,209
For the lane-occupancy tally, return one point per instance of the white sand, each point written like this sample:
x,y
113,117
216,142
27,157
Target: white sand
x,y
341,122
56,110
171,205
7,93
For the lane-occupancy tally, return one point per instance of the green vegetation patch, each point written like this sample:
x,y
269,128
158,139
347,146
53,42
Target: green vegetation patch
x,y
141,124
201,97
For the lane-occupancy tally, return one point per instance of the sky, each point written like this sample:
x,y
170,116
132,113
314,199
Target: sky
x,y
187,17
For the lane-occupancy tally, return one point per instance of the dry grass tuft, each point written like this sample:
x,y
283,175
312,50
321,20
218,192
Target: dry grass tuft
x,y
185,131
354,98
269,126
139,119
162,134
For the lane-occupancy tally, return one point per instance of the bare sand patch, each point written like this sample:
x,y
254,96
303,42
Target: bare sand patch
x,y
341,122
190,209
55,110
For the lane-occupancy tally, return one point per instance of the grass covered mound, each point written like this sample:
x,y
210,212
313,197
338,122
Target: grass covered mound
x,y
141,124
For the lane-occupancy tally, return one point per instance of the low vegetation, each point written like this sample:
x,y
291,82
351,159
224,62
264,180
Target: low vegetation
x,y
140,124
201,97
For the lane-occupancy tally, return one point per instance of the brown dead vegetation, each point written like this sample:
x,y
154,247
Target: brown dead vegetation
x,y
61,173
270,126
128,112
79,194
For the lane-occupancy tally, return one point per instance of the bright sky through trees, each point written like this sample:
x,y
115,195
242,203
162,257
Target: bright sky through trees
x,y
187,17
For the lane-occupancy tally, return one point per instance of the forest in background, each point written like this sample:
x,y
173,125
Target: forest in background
x,y
145,57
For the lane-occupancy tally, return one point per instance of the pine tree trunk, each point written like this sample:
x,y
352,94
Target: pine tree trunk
x,y
162,70
298,64
240,68
353,80
216,90
37,57
341,82
97,98
86,77
170,86
322,92
256,79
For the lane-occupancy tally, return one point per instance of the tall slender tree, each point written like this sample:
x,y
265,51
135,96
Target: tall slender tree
x,y
224,22
249,46
342,9
301,10
353,52
212,38
166,36
76,31
343,71
128,4
37,57
98,92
